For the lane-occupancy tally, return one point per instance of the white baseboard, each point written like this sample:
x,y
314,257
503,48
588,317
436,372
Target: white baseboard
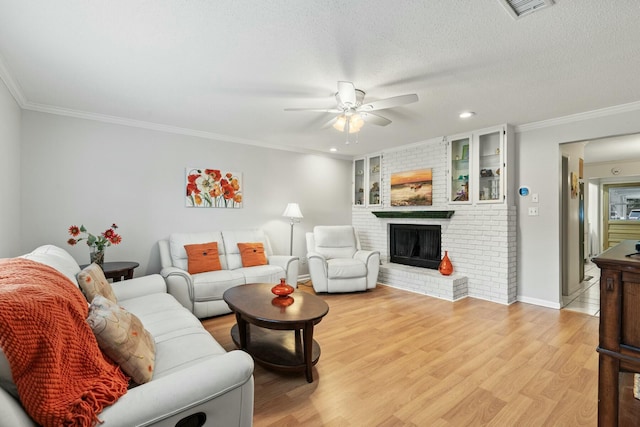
x,y
540,302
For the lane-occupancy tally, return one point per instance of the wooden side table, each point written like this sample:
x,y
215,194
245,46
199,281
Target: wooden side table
x,y
118,270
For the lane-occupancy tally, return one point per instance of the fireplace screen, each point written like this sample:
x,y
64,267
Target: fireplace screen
x,y
416,245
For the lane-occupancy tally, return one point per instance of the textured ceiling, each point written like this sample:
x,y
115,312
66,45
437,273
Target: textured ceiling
x,y
227,69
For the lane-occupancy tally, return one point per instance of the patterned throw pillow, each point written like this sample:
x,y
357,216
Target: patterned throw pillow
x,y
202,257
252,254
122,337
93,282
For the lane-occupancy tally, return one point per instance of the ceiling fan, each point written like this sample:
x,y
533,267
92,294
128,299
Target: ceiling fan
x,y
352,113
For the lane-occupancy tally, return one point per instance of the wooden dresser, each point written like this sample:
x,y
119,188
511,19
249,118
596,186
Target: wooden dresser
x,y
619,345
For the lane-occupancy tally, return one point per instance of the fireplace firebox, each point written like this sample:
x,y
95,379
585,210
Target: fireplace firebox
x,y
415,244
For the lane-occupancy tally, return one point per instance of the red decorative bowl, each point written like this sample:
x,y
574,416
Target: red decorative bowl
x,y
282,289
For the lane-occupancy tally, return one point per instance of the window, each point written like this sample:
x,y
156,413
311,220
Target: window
x,y
624,202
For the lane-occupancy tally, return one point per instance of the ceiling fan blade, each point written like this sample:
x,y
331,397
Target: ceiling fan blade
x,y
319,110
389,102
346,94
374,119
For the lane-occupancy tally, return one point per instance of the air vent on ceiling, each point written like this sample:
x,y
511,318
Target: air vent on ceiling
x,y
519,8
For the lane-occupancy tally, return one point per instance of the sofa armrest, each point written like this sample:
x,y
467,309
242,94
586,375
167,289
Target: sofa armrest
x,y
196,386
12,413
318,271
372,260
289,264
180,285
139,286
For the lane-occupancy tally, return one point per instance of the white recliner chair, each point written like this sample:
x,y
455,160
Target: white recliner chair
x,y
336,261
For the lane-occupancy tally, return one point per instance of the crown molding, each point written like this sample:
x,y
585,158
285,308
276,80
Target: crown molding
x,y
50,109
12,84
572,118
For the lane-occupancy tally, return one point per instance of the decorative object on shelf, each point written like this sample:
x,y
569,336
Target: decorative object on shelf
x,y
445,268
282,289
412,188
98,243
374,193
465,152
375,169
484,173
208,188
292,211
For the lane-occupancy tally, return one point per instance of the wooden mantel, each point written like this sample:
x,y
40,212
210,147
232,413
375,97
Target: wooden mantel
x,y
414,214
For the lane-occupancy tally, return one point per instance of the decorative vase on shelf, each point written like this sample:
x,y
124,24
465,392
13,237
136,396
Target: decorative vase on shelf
x,y
97,256
282,289
445,268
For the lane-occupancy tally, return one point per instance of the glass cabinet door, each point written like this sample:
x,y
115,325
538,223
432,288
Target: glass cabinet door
x,y
460,157
490,167
358,182
374,196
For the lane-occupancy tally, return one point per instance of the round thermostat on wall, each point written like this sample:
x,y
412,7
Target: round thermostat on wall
x,y
615,171
523,191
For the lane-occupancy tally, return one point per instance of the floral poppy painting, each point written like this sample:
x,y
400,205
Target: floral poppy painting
x,y
213,188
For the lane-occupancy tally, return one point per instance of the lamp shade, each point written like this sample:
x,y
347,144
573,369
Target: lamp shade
x,y
292,211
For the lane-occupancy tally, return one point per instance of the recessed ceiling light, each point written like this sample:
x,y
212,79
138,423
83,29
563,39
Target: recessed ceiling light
x,y
467,114
333,149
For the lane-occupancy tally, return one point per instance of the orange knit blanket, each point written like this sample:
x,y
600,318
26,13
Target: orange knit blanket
x,y
61,375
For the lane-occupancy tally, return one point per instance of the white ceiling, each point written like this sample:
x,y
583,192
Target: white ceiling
x,y
227,69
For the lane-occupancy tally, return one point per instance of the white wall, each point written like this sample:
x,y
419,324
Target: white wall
x,y
77,171
538,166
10,114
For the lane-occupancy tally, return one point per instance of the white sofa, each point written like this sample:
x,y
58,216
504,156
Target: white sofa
x,y
202,292
337,262
193,377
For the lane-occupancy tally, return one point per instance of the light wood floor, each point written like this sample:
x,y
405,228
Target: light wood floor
x,y
395,358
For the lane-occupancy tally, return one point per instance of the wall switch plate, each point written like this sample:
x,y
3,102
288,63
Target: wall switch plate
x,y
534,197
533,211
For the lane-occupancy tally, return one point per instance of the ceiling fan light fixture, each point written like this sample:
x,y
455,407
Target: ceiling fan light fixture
x,y
340,123
349,122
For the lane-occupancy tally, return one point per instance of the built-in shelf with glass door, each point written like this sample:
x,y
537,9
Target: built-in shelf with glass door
x,y
459,170
477,167
367,174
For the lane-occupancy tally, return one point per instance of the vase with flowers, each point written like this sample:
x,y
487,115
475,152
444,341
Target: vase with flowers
x,y
97,243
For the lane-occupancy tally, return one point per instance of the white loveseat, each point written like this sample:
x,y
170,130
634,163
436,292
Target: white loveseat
x,y
194,376
202,292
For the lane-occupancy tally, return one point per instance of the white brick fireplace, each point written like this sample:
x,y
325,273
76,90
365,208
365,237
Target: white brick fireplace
x,y
480,239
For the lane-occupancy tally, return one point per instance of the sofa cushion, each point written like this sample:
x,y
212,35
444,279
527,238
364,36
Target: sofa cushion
x,y
123,338
344,268
212,284
177,241
231,240
93,282
202,257
335,241
57,258
263,274
252,254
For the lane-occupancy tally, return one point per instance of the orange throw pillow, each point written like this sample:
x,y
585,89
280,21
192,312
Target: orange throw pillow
x,y
252,254
203,257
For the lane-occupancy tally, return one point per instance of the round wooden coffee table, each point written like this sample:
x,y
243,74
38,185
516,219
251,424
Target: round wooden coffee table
x,y
265,323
